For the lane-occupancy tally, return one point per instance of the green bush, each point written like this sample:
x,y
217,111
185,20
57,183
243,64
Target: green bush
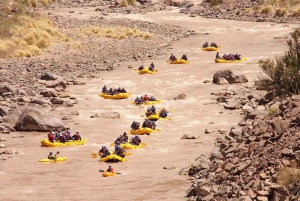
x,y
285,71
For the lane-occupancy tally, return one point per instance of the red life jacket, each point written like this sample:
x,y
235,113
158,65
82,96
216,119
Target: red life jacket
x,y
50,136
76,137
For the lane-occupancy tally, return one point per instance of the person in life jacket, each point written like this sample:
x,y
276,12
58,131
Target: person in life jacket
x,y
153,125
62,138
184,57
151,67
68,135
153,109
118,140
218,56
51,136
205,45
163,113
104,89
110,169
51,156
172,57
103,152
136,140
119,90
141,67
77,136
57,135
152,98
123,90
145,98
124,138
120,151
214,45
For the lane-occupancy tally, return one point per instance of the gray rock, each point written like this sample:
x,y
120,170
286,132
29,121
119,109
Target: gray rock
x,y
49,93
189,136
5,88
232,76
111,115
49,76
221,81
56,100
180,97
34,119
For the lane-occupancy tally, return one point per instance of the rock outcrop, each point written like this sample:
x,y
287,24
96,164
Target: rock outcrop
x,y
256,156
34,119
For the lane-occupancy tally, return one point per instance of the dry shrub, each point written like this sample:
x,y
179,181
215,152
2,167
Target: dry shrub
x,y
266,10
131,2
280,12
123,3
116,32
123,36
147,36
290,178
296,12
215,2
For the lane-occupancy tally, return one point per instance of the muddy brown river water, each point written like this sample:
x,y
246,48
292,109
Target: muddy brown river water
x,y
142,177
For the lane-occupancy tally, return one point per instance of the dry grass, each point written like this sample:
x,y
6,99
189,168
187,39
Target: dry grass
x,y
290,178
281,7
296,12
125,3
25,34
266,10
116,32
281,12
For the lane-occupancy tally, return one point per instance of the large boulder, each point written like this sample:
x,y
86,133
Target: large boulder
x,y
49,76
232,76
56,83
34,119
111,115
6,88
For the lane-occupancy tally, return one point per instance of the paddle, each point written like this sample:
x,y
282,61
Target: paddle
x,y
100,170
56,154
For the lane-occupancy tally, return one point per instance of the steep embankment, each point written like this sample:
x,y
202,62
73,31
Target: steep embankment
x,y
245,10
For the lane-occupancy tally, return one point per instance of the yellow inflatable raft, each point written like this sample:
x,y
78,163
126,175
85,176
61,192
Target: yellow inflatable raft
x,y
53,160
148,103
129,145
108,174
116,96
146,71
230,61
112,158
210,48
178,61
47,143
141,131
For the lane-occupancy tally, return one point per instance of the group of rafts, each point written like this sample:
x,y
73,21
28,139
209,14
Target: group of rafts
x,y
148,127
226,58
121,93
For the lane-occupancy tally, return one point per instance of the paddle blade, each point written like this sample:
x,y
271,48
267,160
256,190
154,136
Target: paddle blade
x,y
135,69
158,130
142,115
112,144
127,154
94,155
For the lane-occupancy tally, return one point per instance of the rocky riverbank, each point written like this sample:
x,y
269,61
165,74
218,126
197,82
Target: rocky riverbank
x,y
255,160
245,10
